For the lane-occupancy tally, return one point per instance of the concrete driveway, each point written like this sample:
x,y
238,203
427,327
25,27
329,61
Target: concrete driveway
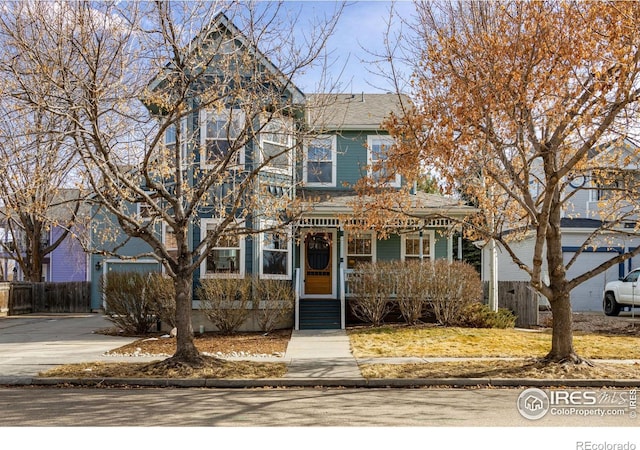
x,y
30,344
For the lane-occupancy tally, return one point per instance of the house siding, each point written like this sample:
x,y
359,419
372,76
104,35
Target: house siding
x,y
388,249
68,262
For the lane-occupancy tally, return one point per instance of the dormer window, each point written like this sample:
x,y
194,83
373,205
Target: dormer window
x,y
219,132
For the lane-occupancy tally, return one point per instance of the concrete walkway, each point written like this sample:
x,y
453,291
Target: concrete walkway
x,y
321,354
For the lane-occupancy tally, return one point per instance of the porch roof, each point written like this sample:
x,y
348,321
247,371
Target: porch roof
x,y
418,206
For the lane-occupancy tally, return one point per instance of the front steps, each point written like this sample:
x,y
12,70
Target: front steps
x,y
319,314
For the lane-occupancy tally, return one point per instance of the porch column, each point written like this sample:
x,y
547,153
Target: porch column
x,y
450,248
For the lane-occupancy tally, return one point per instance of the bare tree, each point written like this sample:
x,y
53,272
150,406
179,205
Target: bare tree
x,y
137,81
513,100
38,189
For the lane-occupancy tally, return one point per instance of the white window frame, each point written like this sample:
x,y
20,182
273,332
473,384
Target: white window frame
x,y
334,157
141,206
226,114
427,252
387,140
349,235
165,233
185,139
288,250
204,223
287,147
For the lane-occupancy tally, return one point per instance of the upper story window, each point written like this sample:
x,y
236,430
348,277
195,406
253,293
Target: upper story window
x,y
320,161
170,140
276,144
378,152
219,131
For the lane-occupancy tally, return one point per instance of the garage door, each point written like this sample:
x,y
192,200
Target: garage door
x,y
588,295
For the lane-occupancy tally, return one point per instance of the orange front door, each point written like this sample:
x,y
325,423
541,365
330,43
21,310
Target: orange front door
x,y
318,276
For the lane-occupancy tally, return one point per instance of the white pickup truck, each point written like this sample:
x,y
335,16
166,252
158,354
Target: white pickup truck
x,y
622,293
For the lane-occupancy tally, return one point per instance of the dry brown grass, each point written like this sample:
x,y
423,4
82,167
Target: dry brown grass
x,y
503,369
223,370
431,341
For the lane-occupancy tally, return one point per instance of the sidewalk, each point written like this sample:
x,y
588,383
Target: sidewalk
x,y
32,344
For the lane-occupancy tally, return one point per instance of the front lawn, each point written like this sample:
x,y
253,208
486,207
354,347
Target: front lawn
x,y
433,341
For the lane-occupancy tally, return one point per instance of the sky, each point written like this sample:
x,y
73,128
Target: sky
x,y
360,31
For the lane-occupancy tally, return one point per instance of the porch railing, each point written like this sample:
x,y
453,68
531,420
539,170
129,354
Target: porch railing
x,y
296,290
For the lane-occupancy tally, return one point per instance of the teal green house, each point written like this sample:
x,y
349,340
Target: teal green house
x,y
318,251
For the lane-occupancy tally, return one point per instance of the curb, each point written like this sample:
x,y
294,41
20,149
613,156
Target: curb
x,y
313,382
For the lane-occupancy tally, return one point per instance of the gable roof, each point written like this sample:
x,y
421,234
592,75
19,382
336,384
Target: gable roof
x,y
352,111
222,25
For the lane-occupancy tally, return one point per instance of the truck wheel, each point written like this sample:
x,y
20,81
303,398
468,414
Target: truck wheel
x,y
611,307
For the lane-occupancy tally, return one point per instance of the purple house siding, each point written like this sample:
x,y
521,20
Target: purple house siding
x,y
68,262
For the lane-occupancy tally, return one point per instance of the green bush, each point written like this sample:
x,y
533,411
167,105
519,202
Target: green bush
x,y
479,315
273,302
225,302
129,301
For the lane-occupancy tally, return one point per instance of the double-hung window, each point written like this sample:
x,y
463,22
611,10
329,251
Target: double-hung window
x,y
275,254
379,147
225,257
276,144
169,240
320,161
170,138
219,132
413,247
360,249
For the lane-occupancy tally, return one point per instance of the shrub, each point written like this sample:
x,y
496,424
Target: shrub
x,y
128,301
225,302
162,295
450,288
479,315
372,286
273,302
411,282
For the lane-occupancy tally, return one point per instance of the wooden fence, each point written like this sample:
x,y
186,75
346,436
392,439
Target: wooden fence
x,y
520,298
4,298
25,298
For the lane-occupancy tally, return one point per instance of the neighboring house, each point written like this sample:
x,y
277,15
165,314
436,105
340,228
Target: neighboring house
x,y
67,262
318,251
586,213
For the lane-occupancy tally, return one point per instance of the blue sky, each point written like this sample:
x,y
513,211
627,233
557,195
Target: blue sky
x,y
361,28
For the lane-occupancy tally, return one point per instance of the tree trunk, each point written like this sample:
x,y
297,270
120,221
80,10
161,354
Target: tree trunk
x,y
186,351
562,330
